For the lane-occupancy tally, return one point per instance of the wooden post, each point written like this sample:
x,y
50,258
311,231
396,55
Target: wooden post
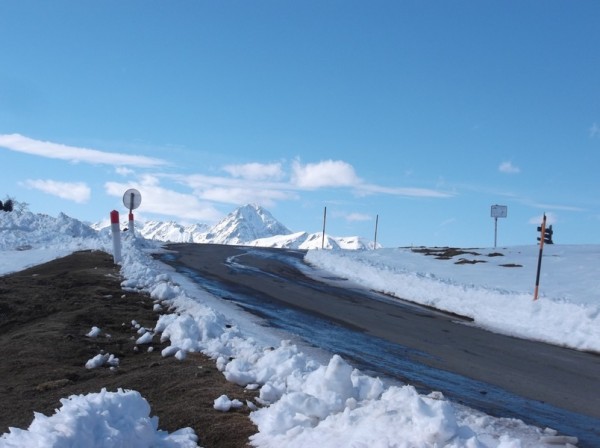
x,y
376,223
324,220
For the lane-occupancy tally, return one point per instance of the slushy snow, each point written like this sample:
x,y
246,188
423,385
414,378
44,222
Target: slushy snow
x,y
303,402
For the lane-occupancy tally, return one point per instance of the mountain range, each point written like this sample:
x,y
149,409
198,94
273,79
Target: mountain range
x,y
249,225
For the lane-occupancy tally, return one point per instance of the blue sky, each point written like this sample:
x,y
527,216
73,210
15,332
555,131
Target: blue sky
x,y
425,113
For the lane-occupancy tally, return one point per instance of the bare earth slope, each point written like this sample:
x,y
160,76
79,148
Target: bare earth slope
x,y
46,312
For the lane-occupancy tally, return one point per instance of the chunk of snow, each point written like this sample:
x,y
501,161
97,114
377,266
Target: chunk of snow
x,y
94,332
100,360
104,419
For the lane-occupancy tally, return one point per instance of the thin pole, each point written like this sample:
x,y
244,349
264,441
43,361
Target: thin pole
x,y
131,224
376,223
495,231
324,220
539,265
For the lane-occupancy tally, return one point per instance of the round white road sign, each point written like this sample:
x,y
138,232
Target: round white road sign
x,y
132,199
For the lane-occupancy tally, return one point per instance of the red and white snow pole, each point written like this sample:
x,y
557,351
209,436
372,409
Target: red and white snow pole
x,y
131,228
116,234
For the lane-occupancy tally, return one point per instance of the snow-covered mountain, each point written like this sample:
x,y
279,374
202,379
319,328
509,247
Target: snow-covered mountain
x,y
249,225
303,240
172,231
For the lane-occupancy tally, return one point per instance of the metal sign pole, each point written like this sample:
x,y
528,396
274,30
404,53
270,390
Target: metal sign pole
x,y
497,211
495,231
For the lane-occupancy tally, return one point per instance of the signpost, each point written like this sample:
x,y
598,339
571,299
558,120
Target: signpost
x,y
498,211
542,238
132,200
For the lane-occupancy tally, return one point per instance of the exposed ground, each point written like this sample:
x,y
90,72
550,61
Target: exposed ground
x,y
46,312
448,253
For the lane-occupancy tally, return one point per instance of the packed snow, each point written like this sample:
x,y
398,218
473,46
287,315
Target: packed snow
x,y
302,401
493,286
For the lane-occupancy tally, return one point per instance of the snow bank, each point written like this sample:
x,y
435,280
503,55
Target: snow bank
x,y
105,419
497,297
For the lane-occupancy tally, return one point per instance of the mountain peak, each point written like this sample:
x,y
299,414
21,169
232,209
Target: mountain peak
x,y
250,210
247,223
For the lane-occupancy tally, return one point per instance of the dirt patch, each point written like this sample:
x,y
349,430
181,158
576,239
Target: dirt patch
x,y
46,312
465,261
443,253
447,253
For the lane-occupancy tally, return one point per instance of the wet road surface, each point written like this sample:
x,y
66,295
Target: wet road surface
x,y
538,383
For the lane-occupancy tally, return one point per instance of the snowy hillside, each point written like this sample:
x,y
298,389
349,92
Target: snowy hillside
x,y
21,230
249,225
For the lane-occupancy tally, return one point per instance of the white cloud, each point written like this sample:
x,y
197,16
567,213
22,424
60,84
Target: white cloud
x,y
447,222
158,200
266,197
328,173
121,170
546,206
595,130
250,184
200,181
407,192
352,217
310,176
73,191
20,143
256,171
508,168
237,191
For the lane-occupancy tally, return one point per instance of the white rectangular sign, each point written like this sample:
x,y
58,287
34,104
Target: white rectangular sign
x,y
499,211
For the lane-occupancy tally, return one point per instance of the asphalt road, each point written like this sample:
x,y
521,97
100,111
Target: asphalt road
x,y
566,379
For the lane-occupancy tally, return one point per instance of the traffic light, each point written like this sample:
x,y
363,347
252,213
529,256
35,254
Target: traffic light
x,y
547,234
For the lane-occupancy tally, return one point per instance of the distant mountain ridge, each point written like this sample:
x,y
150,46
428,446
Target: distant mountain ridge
x,y
249,225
